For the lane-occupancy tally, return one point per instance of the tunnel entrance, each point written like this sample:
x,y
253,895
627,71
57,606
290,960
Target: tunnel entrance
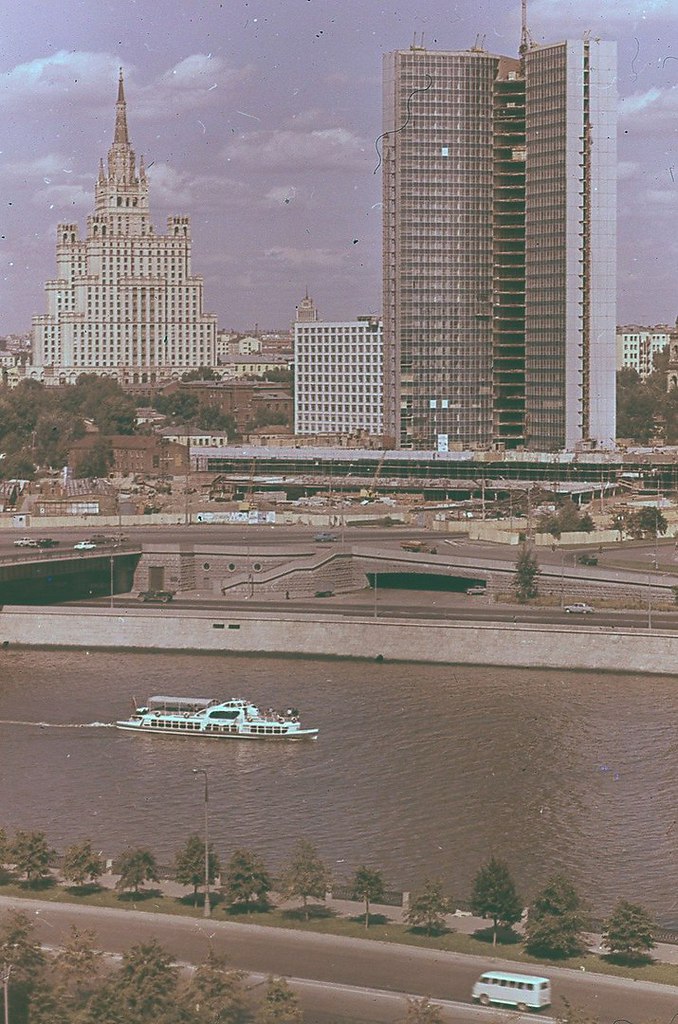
x,y
423,581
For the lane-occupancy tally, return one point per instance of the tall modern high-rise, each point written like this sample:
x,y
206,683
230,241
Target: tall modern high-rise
x,y
125,303
499,193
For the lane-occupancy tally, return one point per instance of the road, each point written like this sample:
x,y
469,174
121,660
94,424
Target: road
x,y
348,978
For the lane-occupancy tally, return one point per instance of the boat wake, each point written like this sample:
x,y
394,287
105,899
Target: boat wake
x,y
60,725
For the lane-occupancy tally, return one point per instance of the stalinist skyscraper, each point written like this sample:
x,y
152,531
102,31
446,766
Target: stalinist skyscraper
x,y
124,302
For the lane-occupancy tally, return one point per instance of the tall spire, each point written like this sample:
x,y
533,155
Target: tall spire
x,y
121,114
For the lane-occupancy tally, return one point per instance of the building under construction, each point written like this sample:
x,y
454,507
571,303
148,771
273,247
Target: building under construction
x,y
499,190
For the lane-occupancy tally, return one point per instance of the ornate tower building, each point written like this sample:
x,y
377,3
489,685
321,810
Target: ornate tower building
x,y
124,303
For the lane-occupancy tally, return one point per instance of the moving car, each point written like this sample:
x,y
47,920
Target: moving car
x,y
579,608
25,542
325,538
418,546
47,542
476,590
84,545
157,596
588,560
524,991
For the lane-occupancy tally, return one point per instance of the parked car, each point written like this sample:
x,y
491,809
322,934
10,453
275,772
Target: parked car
x,y
587,560
25,542
475,590
579,608
101,538
84,545
47,542
325,538
157,596
324,593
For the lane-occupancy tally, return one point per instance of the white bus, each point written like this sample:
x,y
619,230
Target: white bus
x,y
524,991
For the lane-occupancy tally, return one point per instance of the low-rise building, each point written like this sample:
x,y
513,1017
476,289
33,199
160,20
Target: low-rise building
x,y
637,347
146,455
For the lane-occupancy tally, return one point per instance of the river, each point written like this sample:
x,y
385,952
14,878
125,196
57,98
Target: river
x,y
419,770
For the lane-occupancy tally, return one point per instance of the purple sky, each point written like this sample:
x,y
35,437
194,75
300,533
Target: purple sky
x,y
258,118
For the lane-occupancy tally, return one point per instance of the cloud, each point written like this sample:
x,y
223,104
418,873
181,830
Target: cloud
x,y
304,257
196,82
56,78
61,197
651,112
607,11
327,149
177,190
626,170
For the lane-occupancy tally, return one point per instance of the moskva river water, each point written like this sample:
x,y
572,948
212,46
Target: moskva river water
x,y
419,770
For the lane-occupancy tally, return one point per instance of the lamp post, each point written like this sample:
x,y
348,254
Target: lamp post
x,y
112,571
7,970
206,908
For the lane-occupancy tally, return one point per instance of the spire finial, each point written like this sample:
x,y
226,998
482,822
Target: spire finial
x,y
121,114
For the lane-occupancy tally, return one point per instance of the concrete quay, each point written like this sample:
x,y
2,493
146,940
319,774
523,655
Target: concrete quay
x,y
580,647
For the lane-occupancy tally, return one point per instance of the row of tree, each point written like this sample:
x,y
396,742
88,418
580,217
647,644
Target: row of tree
x,y
555,925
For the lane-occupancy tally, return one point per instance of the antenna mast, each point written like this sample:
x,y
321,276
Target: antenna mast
x,y
526,40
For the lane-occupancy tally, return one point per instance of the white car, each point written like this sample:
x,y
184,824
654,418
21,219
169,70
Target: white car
x,y
578,609
25,542
84,545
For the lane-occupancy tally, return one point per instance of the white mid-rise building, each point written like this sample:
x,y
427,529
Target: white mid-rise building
x,y
637,346
338,377
124,303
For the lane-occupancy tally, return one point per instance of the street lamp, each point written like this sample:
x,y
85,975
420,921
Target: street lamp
x,y
206,908
5,990
112,577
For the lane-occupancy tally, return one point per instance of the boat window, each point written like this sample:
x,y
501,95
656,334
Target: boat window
x,y
224,714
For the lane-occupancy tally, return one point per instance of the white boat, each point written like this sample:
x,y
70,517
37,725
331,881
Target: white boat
x,y
213,719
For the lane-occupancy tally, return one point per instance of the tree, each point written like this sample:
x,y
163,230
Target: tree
x,y
494,895
556,921
217,995
526,572
280,1005
31,855
306,875
136,867
148,984
627,933
422,1011
22,959
247,881
647,522
428,908
75,973
368,885
81,864
97,461
189,865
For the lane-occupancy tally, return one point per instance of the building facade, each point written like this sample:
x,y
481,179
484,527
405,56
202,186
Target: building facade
x,y
338,377
637,346
125,303
499,179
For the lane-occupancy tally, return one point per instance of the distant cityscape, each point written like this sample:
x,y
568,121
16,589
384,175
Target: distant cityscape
x,y
499,178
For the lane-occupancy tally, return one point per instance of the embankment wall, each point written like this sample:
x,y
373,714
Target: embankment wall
x,y
580,647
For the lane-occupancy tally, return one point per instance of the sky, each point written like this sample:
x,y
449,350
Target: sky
x,y
258,119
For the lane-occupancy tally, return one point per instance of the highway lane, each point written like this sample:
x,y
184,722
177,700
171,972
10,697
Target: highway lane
x,y
349,975
437,606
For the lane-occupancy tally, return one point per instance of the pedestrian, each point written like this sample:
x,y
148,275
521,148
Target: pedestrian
x,y
287,595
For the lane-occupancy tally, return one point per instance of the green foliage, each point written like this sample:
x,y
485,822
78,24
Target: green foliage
x,y
556,921
202,373
216,995
210,417
81,864
247,882
135,867
305,875
30,855
19,950
368,885
428,908
494,895
645,409
179,406
75,972
280,1005
422,1011
566,519
525,576
97,461
189,864
147,984
628,931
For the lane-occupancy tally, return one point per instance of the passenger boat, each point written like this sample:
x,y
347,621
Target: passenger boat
x,y
213,719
